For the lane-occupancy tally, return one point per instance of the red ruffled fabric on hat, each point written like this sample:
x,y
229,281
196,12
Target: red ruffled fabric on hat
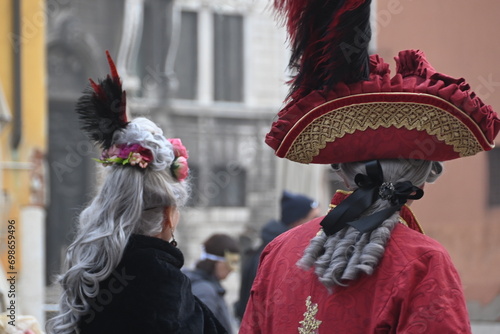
x,y
412,64
414,75
380,81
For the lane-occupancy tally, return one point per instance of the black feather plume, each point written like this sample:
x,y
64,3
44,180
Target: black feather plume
x,y
329,41
102,108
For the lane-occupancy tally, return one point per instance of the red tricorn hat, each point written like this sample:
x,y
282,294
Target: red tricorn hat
x,y
416,114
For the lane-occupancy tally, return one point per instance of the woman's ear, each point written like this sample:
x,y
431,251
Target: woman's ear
x,y
167,228
167,214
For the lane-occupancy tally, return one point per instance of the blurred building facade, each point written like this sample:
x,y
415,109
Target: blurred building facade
x,y
212,73
462,210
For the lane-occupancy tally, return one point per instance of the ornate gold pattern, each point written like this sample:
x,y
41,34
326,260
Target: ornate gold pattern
x,y
310,324
412,116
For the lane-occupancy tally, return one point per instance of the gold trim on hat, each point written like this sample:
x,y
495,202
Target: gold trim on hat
x,y
359,117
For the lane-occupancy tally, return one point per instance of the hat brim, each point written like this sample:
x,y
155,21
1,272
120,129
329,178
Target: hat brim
x,y
387,125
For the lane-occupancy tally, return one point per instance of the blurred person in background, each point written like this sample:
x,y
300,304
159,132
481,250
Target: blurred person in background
x,y
123,270
296,209
219,257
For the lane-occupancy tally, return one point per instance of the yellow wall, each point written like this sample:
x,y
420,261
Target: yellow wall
x,y
34,106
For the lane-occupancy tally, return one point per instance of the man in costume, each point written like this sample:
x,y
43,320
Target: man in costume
x,y
366,267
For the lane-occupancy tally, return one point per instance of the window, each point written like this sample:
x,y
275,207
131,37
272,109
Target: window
x,y
228,186
228,58
494,177
186,63
223,186
194,180
209,62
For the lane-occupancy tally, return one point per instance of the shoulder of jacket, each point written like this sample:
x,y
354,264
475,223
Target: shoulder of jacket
x,y
407,245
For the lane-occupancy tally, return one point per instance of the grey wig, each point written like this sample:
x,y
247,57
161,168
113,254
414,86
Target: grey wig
x,y
348,253
130,201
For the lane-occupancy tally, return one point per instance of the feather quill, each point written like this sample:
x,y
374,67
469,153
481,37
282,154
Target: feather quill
x,y
102,108
329,41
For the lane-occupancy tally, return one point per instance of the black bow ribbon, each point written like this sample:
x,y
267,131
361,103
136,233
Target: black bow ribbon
x,y
371,187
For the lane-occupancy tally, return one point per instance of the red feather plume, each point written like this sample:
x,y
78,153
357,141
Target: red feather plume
x,y
329,41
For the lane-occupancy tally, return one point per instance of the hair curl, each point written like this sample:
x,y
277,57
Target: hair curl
x,y
348,253
130,201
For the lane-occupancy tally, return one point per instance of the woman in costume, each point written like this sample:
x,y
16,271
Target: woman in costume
x,y
365,267
123,271
219,257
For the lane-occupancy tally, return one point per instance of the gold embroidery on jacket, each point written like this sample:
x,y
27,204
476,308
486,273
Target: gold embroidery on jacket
x,y
310,324
412,116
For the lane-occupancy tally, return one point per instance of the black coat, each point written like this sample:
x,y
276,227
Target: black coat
x,y
148,293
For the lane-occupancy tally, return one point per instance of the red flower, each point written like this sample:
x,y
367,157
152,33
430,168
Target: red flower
x,y
125,150
146,154
135,148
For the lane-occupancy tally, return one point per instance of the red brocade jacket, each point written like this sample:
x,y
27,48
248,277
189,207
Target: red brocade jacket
x,y
414,289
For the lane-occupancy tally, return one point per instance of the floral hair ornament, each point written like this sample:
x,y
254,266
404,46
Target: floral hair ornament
x,y
179,168
102,112
133,154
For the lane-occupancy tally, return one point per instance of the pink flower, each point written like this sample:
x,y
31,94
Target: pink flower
x,y
114,150
135,158
138,159
179,149
180,168
111,152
